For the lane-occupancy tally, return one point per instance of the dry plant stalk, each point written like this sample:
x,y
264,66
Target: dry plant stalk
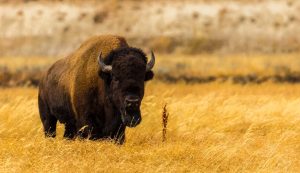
x,y
165,116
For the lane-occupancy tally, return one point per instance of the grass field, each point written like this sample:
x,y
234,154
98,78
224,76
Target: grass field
x,y
212,128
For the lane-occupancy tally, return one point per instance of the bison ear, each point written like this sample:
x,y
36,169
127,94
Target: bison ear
x,y
149,75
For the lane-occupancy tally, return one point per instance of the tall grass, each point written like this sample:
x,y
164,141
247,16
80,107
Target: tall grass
x,y
165,116
211,128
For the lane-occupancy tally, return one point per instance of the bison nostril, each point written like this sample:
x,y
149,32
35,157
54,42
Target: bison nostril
x,y
132,102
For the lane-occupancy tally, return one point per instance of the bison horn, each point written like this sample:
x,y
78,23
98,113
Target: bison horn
x,y
151,63
104,67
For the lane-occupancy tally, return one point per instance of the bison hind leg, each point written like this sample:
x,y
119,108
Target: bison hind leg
x,y
49,121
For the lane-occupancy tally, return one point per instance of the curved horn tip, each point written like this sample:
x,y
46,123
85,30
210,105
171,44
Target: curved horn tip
x,y
104,67
151,63
100,60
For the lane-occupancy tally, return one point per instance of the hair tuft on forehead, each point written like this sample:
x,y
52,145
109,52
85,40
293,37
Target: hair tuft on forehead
x,y
125,51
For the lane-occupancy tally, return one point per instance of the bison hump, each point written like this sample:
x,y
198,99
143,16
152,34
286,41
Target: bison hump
x,y
82,74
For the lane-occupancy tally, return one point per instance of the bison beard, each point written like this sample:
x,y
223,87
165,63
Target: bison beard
x,y
131,118
131,114
96,97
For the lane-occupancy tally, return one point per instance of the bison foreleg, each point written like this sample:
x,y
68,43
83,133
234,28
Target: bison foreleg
x,y
70,131
119,136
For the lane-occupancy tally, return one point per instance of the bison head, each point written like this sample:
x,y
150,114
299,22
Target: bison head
x,y
125,71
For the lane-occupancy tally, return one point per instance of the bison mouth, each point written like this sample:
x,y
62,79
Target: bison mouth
x,y
131,118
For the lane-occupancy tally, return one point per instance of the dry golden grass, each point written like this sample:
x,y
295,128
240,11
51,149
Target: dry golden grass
x,y
216,127
211,128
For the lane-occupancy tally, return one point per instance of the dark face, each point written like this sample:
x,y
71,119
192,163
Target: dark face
x,y
126,85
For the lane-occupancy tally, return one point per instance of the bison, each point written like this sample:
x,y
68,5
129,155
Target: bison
x,y
96,92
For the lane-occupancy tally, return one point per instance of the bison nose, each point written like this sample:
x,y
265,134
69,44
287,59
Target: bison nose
x,y
132,102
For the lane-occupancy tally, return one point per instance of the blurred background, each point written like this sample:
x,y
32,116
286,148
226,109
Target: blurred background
x,y
239,41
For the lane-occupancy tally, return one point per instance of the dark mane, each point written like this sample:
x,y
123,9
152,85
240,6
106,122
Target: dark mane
x,y
125,51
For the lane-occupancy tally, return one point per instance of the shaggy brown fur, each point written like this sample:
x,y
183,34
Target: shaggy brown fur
x,y
73,92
